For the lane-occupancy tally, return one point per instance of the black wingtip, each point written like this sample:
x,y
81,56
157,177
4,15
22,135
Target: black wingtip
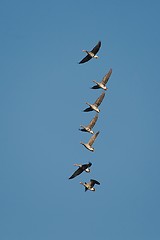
x,y
87,109
70,177
82,130
95,87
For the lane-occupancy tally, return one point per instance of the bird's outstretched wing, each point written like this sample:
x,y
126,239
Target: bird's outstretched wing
x,y
100,99
76,173
93,138
88,109
95,87
83,130
93,121
106,77
93,182
85,59
96,48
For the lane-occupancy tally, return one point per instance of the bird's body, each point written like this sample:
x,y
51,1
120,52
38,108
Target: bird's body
x,y
91,54
82,168
94,106
89,127
90,185
90,142
104,81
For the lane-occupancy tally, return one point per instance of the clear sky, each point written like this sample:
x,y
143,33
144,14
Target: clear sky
x,y
43,91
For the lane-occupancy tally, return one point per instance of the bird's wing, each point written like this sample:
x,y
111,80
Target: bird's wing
x,y
93,182
88,109
77,172
100,99
83,130
93,138
106,77
85,59
93,121
95,87
96,48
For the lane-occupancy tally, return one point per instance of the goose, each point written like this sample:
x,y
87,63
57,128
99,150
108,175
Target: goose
x,y
89,127
104,81
94,106
90,185
82,167
90,142
91,54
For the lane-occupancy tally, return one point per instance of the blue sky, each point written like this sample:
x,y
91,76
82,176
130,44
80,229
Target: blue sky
x,y
42,94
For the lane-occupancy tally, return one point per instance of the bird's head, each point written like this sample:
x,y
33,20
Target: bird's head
x,y
84,51
94,81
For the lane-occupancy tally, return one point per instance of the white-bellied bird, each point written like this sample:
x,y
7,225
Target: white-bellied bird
x,y
91,54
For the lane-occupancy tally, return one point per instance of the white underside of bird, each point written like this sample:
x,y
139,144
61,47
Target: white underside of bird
x,y
86,145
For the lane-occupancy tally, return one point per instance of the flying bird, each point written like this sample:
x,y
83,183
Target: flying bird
x,y
95,105
89,127
82,168
90,185
104,81
91,54
90,142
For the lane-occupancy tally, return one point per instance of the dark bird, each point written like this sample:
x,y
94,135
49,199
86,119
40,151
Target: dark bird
x,y
82,168
95,105
104,81
91,54
90,185
89,127
90,142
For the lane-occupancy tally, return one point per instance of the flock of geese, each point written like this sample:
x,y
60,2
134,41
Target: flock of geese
x,y
89,128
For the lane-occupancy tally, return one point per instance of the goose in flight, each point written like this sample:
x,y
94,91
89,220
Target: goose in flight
x,y
91,54
95,105
104,81
82,168
90,142
90,185
89,127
